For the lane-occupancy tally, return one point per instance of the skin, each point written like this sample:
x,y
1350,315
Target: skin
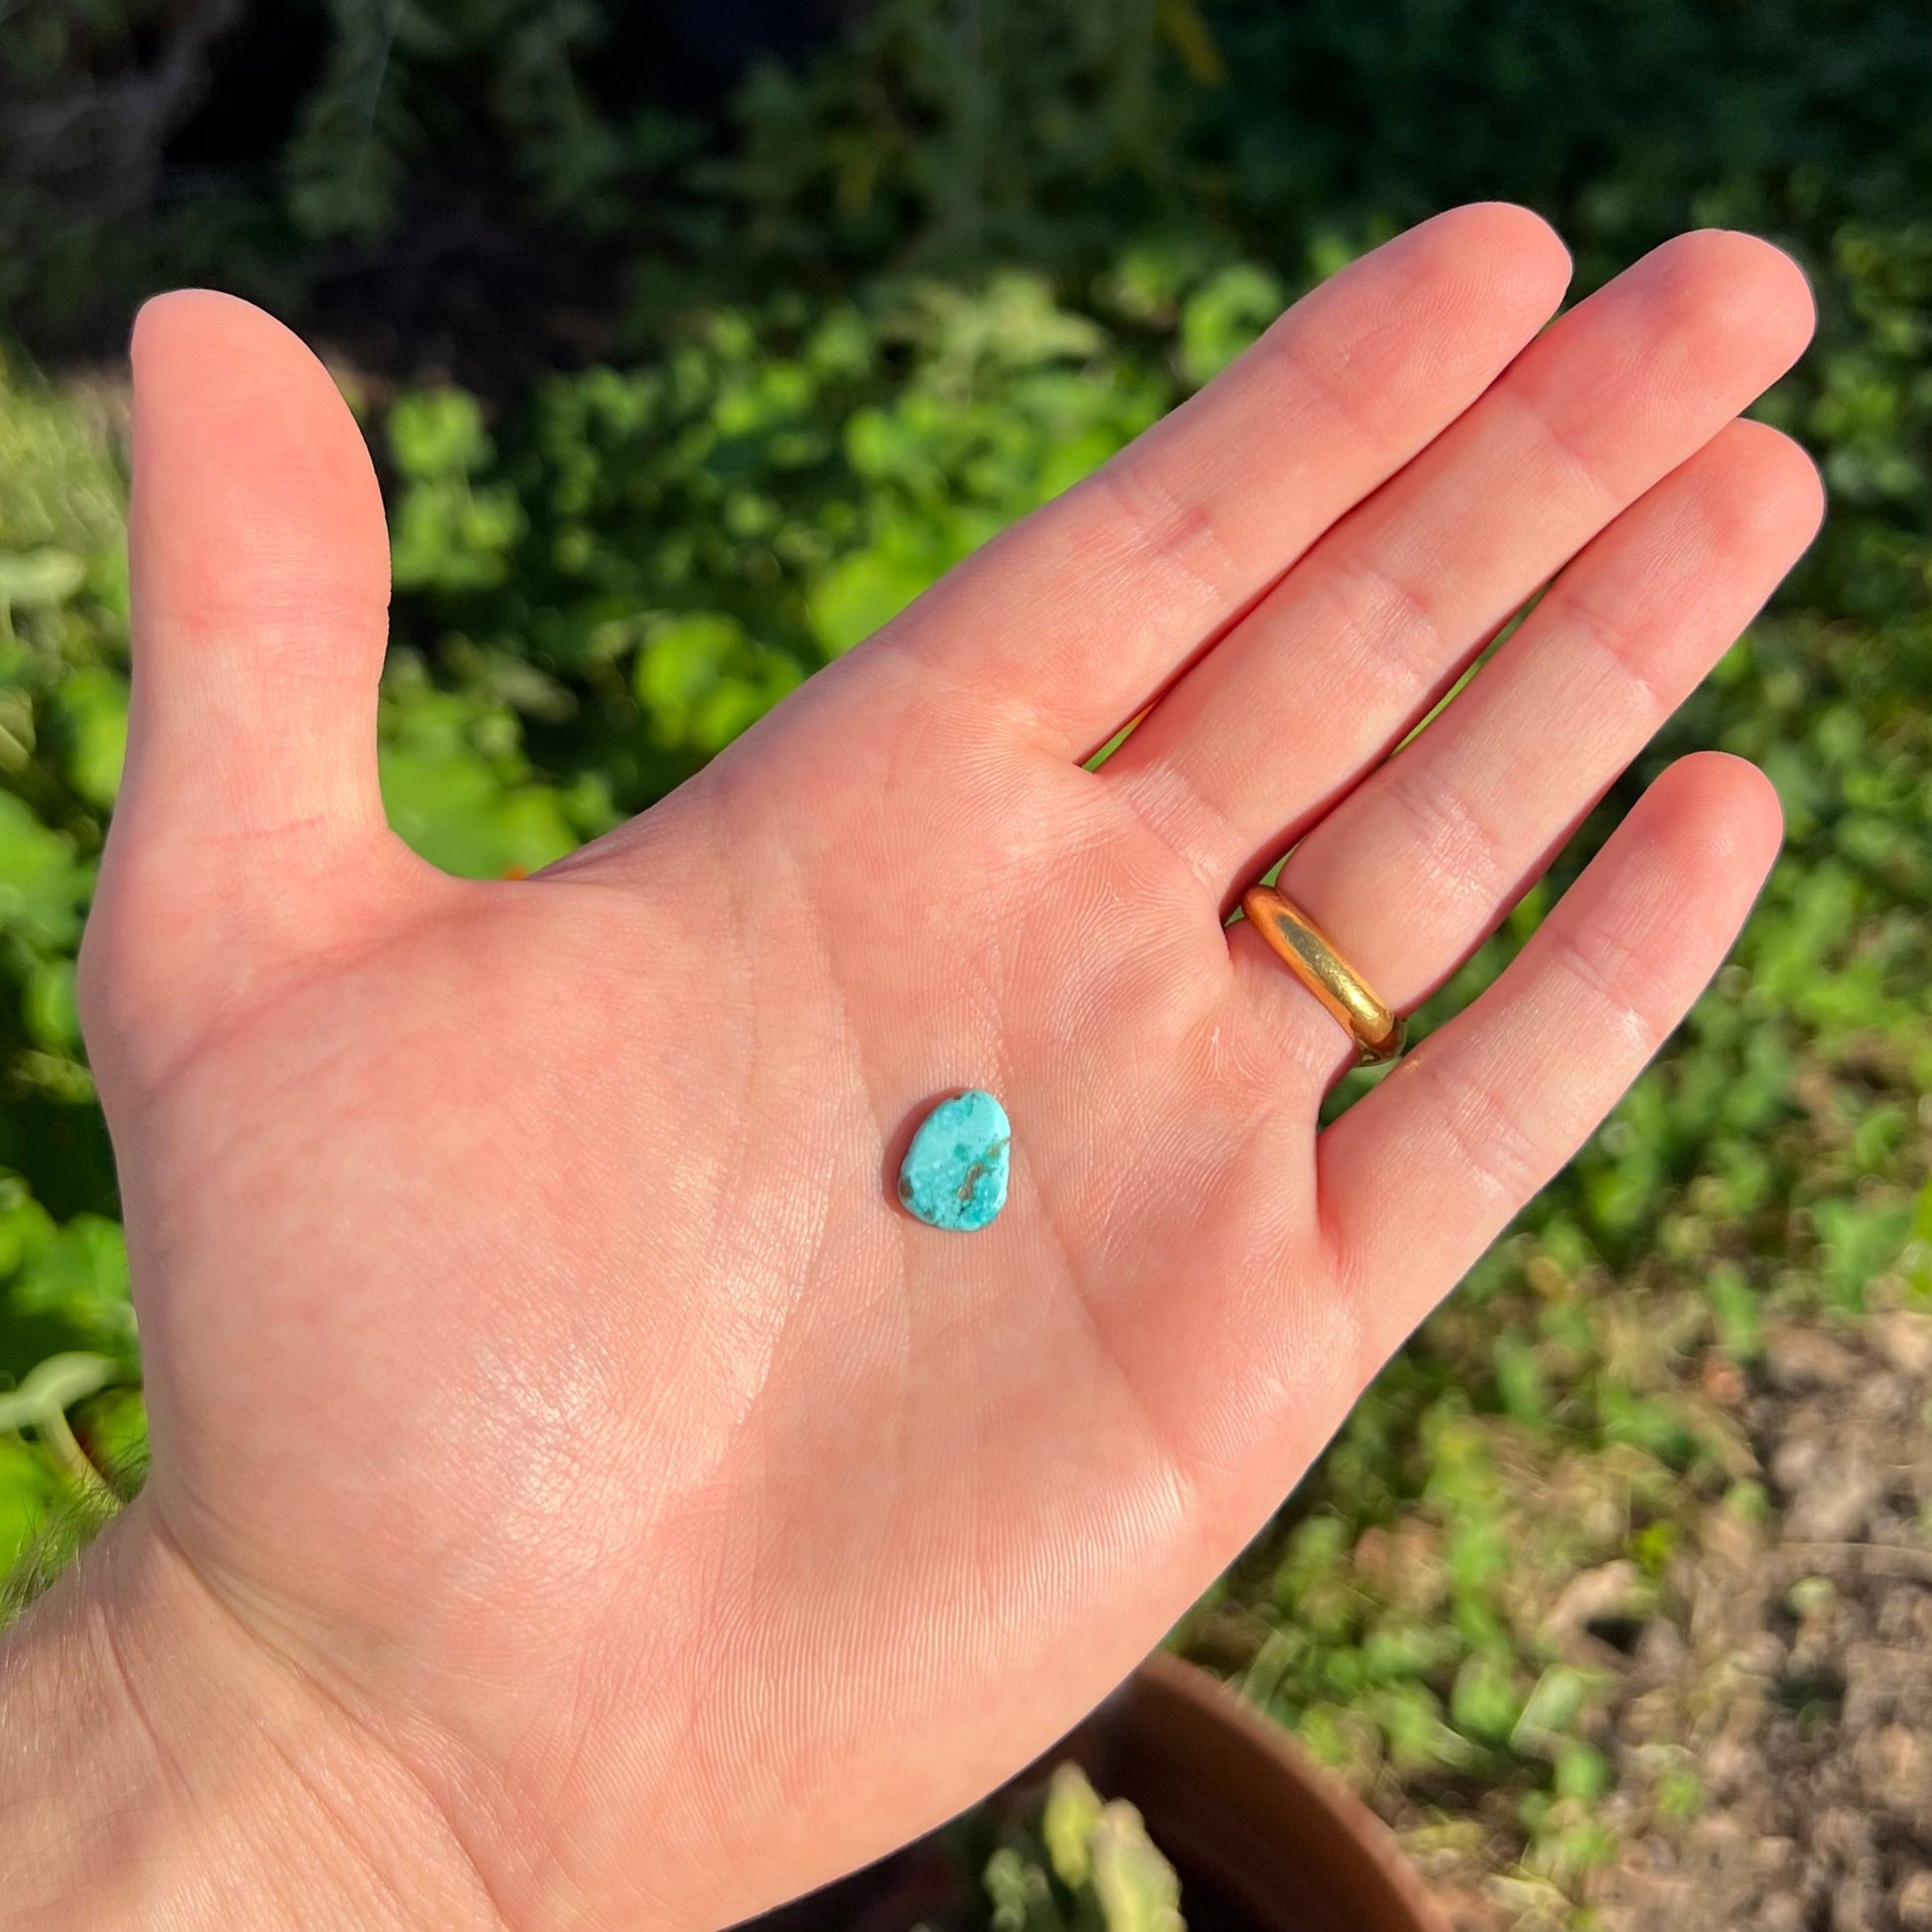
x,y
580,1497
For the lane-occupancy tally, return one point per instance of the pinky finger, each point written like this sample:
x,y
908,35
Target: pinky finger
x,y
1424,1171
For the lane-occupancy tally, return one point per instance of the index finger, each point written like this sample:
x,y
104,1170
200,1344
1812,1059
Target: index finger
x,y
1073,620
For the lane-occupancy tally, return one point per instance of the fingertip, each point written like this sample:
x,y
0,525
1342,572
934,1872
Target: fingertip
x,y
203,324
1792,476
1528,233
1731,808
160,315
1774,488
1783,278
270,494
1513,252
1760,809
1738,286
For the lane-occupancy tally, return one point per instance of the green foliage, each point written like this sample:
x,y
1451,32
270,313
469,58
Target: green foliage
x,y
673,547
449,531
88,92
53,1500
406,84
1078,1863
928,281
944,136
997,130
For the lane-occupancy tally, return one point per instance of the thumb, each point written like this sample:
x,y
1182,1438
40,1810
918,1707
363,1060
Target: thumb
x,y
260,582
260,571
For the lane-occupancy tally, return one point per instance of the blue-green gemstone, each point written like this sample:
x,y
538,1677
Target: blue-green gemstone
x,y
954,1175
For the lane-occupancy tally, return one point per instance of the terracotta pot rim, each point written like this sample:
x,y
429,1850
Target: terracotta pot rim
x,y
1233,1795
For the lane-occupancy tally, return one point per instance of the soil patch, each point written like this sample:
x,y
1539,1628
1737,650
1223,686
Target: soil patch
x,y
1785,1675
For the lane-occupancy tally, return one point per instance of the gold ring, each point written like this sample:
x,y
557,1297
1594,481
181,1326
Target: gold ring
x,y
1310,955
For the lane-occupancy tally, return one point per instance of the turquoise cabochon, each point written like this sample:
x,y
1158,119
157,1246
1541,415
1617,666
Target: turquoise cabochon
x,y
954,1175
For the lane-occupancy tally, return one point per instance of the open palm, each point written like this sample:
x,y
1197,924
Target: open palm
x,y
539,1363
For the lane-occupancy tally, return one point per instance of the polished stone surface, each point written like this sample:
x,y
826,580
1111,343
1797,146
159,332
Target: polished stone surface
x,y
954,1175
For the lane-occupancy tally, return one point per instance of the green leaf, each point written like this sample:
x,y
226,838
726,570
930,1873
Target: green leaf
x,y
1584,1774
457,811
1734,1307
1020,1894
1073,1810
1486,1701
1138,1890
1223,315
49,1005
40,577
28,1486
866,590
437,433
43,884
72,1273
702,679
91,706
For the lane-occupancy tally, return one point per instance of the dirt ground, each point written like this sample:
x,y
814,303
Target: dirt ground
x,y
1787,1674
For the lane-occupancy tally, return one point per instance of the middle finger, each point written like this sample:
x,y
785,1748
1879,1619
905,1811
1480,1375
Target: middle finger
x,y
1375,623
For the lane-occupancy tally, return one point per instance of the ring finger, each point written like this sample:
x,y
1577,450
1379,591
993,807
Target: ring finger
x,y
1416,867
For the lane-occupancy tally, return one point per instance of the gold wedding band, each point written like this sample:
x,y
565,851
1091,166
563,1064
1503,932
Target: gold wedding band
x,y
1311,957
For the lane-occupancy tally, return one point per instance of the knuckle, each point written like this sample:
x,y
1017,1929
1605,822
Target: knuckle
x,y
1605,634
1570,446
1492,1135
1618,979
1463,850
1176,529
1387,622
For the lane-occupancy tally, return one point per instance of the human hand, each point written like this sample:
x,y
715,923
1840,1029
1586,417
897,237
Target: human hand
x,y
547,1390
